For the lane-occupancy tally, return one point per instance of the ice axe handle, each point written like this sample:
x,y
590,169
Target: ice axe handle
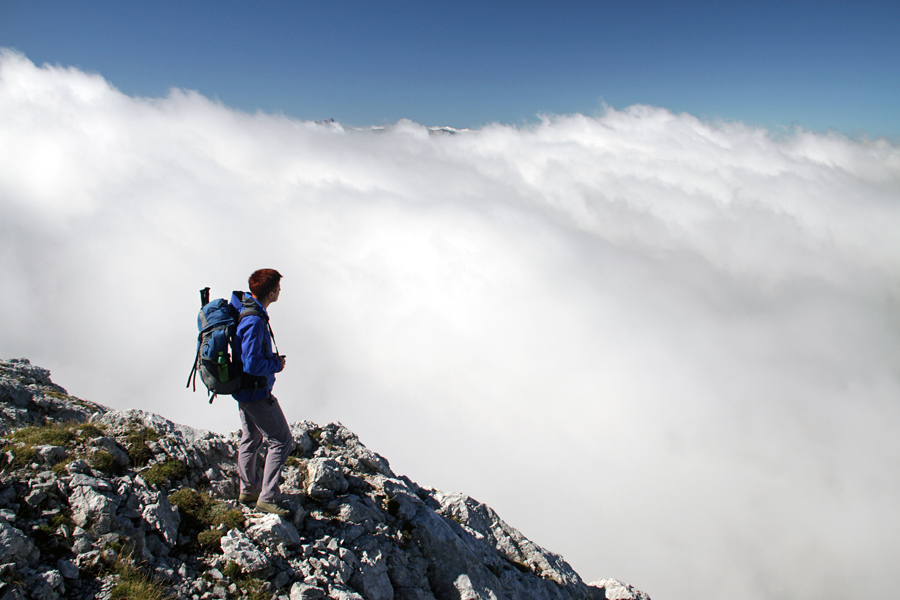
x,y
204,296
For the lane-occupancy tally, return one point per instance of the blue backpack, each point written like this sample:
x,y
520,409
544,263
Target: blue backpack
x,y
217,322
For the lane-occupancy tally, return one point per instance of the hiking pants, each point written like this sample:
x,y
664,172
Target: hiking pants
x,y
259,419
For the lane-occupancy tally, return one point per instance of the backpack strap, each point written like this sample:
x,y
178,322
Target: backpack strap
x,y
193,375
265,318
272,335
250,382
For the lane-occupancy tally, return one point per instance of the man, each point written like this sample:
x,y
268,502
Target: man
x,y
261,415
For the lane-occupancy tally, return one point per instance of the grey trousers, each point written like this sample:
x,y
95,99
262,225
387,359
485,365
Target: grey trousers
x,y
263,419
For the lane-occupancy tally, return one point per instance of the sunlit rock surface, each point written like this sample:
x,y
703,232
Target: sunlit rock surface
x,y
89,497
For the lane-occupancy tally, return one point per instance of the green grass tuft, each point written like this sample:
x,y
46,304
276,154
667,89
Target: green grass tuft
x,y
232,571
53,434
88,430
199,511
60,467
23,456
63,518
210,539
104,461
161,473
250,587
220,514
135,584
54,394
188,500
136,445
50,434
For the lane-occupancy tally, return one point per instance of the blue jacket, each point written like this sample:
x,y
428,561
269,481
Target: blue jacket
x,y
252,349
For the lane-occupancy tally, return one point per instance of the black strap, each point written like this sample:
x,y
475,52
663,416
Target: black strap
x,y
256,382
251,311
272,335
193,374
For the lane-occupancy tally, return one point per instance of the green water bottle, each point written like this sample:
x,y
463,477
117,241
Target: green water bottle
x,y
223,368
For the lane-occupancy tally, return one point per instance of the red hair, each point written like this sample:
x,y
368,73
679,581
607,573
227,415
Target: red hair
x,y
263,282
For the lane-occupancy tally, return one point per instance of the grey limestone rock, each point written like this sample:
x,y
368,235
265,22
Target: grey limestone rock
x,y
493,533
469,591
272,531
240,549
325,478
303,443
80,479
91,509
344,594
616,590
358,531
344,444
371,579
67,569
164,518
196,448
15,546
51,454
11,592
303,591
28,397
110,445
47,585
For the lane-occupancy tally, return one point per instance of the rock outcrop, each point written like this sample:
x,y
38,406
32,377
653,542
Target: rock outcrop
x,y
96,503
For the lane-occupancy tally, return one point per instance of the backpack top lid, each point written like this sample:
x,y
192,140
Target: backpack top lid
x,y
218,313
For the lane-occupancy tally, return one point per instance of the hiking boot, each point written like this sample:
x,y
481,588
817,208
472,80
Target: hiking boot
x,y
272,509
247,499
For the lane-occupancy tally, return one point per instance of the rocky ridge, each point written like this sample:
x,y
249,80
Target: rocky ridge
x,y
96,503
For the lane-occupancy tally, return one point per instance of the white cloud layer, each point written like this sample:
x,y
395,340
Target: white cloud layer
x,y
664,348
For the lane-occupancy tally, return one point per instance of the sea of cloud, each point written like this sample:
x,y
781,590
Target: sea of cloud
x,y
665,348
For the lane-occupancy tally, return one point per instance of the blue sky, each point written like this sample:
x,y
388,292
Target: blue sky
x,y
818,65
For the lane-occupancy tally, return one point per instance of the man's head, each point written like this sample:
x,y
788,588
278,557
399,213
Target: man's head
x,y
265,285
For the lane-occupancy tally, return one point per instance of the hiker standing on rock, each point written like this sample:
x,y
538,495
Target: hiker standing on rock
x,y
261,415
